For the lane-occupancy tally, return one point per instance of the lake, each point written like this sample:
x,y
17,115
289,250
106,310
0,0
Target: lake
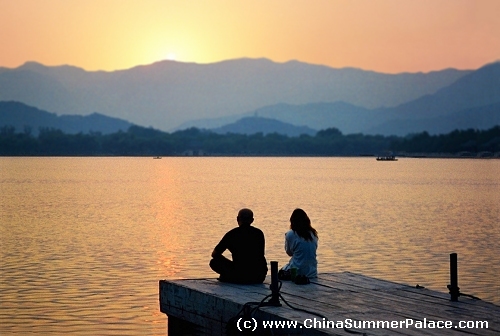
x,y
84,241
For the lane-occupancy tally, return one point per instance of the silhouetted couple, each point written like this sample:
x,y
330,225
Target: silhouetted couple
x,y
247,246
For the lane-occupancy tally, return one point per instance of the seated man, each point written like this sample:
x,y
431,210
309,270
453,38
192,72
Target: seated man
x,y
246,244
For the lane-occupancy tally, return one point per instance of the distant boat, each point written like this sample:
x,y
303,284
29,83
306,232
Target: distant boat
x,y
157,157
387,158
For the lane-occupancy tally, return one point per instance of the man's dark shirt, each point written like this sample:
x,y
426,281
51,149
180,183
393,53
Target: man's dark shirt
x,y
247,246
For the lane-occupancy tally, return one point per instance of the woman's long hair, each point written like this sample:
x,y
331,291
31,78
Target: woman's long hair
x,y
301,224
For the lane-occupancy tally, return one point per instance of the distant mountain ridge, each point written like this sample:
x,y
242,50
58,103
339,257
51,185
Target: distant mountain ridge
x,y
255,124
318,116
470,102
481,118
478,88
27,118
167,94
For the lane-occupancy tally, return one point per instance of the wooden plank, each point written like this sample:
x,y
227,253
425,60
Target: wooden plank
x,y
425,309
337,296
440,299
212,311
378,311
353,305
427,301
341,314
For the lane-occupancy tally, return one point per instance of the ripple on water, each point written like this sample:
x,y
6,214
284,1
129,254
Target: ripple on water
x,y
87,239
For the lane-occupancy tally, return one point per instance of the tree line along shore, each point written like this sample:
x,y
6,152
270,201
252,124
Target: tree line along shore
x,y
141,141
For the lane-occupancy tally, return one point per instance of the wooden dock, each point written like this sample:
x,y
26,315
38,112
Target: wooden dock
x,y
347,300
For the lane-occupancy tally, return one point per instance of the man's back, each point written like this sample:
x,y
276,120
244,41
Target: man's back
x,y
247,246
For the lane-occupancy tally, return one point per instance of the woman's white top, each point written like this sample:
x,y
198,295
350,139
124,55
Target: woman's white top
x,y
303,253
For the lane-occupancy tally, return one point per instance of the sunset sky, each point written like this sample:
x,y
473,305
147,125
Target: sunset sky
x,y
388,36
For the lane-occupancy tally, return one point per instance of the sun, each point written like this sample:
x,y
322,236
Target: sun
x,y
171,56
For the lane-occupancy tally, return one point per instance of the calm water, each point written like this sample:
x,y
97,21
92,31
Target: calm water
x,y
84,241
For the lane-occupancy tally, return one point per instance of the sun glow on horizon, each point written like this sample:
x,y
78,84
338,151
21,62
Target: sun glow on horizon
x,y
390,36
171,56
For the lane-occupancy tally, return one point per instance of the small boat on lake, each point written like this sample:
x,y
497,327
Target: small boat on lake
x,y
387,158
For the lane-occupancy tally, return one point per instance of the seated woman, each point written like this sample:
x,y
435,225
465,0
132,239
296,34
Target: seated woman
x,y
301,243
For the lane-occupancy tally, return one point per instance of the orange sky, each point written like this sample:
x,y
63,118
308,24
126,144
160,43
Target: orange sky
x,y
383,35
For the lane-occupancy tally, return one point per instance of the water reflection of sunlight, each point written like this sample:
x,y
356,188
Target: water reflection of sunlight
x,y
177,198
166,207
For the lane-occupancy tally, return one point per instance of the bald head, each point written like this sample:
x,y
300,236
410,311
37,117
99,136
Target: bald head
x,y
245,217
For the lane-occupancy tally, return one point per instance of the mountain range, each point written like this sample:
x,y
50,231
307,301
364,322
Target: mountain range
x,y
256,124
472,101
24,118
172,95
30,119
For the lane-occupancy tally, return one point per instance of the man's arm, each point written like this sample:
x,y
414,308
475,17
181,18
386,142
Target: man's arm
x,y
216,253
220,248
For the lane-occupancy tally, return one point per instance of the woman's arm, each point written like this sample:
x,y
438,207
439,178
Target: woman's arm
x,y
289,244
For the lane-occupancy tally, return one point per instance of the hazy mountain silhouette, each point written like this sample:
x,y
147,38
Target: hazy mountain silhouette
x,y
474,96
479,88
24,117
167,94
346,117
252,125
482,118
470,102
